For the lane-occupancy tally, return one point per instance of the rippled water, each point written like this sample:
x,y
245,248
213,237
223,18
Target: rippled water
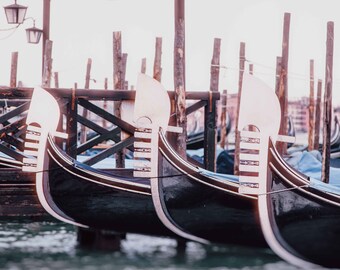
x,y
49,245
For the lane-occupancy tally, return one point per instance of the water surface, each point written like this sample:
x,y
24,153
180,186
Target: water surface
x,y
51,245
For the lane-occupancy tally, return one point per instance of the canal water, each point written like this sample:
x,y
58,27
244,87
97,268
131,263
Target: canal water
x,y
50,245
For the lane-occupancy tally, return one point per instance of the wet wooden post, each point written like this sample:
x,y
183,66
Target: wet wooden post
x,y
87,86
14,69
317,116
47,69
179,140
223,140
143,66
210,137
56,80
237,134
118,83
327,109
283,89
311,129
157,67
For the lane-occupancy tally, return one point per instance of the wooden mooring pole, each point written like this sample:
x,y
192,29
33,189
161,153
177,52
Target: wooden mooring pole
x,y
237,134
317,116
14,69
85,112
283,84
47,69
143,66
157,66
223,141
210,136
179,140
327,109
311,122
118,83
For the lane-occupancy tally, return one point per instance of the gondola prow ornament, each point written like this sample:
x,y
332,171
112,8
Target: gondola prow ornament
x,y
259,107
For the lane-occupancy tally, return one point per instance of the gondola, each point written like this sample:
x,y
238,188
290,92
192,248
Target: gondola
x,y
198,205
300,216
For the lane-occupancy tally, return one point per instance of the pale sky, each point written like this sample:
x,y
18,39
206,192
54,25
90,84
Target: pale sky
x,y
82,29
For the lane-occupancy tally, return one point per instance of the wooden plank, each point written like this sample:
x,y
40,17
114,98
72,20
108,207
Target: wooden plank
x,y
107,116
15,112
14,69
94,94
317,116
311,128
109,151
327,109
157,66
109,135
237,134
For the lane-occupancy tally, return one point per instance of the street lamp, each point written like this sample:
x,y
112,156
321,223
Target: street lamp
x,y
15,13
33,34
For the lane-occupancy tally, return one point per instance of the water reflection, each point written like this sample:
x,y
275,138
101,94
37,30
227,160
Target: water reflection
x,y
49,245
